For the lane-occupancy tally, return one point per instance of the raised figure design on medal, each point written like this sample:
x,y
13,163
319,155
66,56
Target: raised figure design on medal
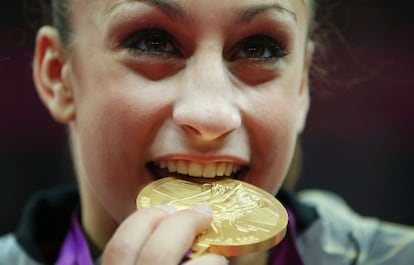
x,y
243,215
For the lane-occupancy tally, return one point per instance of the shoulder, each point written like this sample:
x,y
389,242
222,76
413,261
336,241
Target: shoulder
x,y
12,253
341,236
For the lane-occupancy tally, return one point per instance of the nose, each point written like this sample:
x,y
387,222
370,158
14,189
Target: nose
x,y
206,108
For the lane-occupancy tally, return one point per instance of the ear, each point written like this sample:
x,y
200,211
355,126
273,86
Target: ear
x,y
48,63
304,92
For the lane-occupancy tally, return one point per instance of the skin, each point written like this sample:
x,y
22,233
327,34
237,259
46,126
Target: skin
x,y
200,99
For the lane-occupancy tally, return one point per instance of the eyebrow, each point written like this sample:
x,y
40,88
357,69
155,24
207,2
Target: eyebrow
x,y
174,10
248,14
170,8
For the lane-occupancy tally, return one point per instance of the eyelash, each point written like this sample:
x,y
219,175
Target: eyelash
x,y
260,47
140,42
159,42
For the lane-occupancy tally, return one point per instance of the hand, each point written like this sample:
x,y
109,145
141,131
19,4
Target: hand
x,y
159,235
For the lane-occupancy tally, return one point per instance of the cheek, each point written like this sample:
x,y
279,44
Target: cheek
x,y
106,147
275,132
116,111
114,131
273,137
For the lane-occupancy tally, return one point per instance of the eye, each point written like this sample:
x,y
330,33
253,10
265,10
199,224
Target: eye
x,y
152,41
259,47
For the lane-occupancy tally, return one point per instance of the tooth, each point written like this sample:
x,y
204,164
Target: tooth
x,y
163,164
221,169
172,166
209,170
195,169
182,167
229,170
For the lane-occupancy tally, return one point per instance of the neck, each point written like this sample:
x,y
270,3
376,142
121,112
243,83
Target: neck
x,y
98,225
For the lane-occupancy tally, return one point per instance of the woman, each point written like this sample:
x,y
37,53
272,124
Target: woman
x,y
205,88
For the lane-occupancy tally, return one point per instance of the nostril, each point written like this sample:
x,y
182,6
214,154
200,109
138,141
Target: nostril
x,y
203,133
191,130
208,129
206,120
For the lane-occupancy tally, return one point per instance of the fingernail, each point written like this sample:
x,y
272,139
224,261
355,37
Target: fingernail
x,y
203,209
167,208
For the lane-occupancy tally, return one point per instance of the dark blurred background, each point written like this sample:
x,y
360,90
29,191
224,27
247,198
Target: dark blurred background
x,y
359,138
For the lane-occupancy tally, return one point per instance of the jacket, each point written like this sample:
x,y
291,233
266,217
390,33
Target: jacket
x,y
328,231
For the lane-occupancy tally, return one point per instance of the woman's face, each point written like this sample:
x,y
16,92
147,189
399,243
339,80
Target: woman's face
x,y
202,88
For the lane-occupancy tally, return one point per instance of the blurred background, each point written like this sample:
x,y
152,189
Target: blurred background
x,y
359,138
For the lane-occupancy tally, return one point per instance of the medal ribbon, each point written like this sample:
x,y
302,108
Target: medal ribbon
x,y
287,252
75,250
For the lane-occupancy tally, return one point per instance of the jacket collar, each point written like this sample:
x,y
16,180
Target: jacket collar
x,y
45,221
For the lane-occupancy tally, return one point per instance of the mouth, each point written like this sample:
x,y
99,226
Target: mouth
x,y
186,168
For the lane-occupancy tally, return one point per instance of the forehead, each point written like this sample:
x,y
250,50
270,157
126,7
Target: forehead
x,y
286,2
297,7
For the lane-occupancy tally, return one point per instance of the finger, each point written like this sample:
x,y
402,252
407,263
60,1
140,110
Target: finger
x,y
132,234
208,259
174,236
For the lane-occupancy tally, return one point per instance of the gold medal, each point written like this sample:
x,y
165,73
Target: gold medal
x,y
246,219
